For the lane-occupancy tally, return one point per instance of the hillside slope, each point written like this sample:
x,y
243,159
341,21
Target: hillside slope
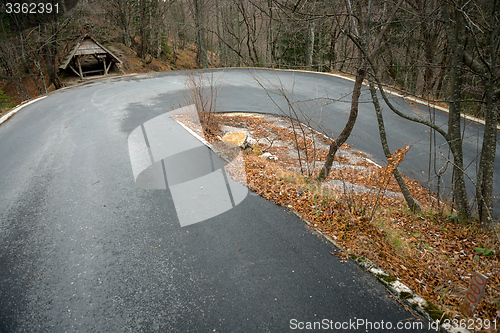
x,y
185,59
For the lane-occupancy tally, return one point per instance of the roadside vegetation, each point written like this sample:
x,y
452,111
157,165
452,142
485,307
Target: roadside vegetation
x,y
5,102
361,208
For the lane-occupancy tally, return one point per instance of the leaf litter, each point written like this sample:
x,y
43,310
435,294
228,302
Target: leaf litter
x,y
360,206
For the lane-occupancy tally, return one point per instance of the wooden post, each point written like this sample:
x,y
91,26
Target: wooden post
x,y
80,67
105,69
74,70
109,66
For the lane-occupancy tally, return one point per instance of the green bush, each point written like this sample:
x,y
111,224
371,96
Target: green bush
x,y
5,101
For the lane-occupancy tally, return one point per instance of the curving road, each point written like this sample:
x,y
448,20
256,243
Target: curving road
x,y
92,241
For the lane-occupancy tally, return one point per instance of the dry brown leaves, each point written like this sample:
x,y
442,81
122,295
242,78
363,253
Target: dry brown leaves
x,y
431,253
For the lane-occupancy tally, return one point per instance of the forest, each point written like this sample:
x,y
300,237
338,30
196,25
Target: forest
x,y
442,51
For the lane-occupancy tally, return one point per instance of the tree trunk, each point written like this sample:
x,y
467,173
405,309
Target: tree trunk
x,y
50,56
484,191
27,66
40,74
201,43
484,183
271,54
387,152
346,132
142,29
455,108
310,45
220,44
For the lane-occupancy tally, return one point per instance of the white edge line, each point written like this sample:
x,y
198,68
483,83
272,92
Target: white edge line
x,y
327,137
388,90
370,161
193,133
205,142
410,98
18,108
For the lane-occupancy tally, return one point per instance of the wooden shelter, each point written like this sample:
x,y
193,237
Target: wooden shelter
x,y
84,47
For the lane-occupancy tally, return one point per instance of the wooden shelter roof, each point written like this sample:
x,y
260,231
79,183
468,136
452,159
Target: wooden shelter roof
x,y
87,45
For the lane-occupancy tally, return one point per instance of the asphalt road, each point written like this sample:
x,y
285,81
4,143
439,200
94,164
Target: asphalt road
x,y
91,241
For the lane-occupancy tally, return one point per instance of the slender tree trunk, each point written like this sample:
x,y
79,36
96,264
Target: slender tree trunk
x,y
142,29
201,42
319,59
27,66
50,64
442,74
455,108
387,152
222,58
346,132
487,162
484,183
40,74
455,142
123,15
310,45
50,56
429,60
361,73
271,52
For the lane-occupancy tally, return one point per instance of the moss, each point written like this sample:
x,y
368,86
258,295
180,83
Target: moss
x,y
353,256
434,312
405,295
387,278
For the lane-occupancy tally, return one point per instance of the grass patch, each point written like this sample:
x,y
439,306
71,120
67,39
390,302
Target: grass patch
x,y
434,312
405,295
387,278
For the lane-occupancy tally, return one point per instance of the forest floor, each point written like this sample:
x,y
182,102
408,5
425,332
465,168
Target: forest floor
x,y
361,208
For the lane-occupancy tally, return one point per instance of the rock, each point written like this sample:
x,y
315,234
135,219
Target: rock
x,y
254,148
148,59
250,141
237,138
269,156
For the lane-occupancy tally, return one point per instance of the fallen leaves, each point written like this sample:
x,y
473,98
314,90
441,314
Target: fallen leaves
x,y
430,252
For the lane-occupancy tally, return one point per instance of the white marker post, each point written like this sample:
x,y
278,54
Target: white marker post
x,y
474,294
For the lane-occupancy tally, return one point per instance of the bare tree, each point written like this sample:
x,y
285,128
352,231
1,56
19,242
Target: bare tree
x,y
358,33
483,27
387,152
